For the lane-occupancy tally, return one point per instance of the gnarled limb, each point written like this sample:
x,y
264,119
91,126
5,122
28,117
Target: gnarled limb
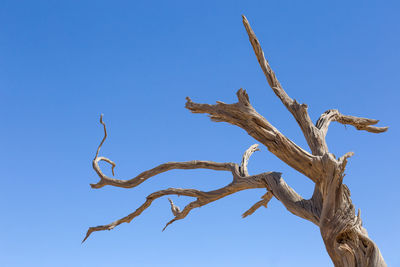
x,y
246,117
359,123
299,111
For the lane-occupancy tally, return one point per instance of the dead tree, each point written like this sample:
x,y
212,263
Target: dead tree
x,y
330,207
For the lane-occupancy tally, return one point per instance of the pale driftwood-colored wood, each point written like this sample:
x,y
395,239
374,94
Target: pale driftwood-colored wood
x,y
299,111
263,202
245,159
270,180
330,208
359,123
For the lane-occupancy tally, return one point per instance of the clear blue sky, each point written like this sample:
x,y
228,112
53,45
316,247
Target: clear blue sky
x,y
62,63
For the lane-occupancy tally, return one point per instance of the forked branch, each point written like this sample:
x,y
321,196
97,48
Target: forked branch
x,y
203,198
238,183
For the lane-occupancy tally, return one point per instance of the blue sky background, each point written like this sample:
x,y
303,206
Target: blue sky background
x,y
62,63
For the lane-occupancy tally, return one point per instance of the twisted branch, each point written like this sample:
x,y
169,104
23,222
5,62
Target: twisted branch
x,y
194,164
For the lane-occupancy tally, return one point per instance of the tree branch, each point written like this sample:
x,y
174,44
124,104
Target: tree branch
x,y
174,208
194,164
271,180
263,202
242,114
359,123
203,198
293,202
243,166
299,111
291,199
268,72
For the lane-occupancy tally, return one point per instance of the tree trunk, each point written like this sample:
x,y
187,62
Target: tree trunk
x,y
350,247
346,240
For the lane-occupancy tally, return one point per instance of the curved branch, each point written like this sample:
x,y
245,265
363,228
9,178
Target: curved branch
x,y
243,166
194,164
299,111
359,123
246,117
104,138
174,208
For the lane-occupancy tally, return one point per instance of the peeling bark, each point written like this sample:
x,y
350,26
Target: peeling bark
x,y
330,208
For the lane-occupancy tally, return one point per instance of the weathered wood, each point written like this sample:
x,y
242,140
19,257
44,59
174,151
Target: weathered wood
x,y
330,207
263,202
359,123
245,159
242,114
299,111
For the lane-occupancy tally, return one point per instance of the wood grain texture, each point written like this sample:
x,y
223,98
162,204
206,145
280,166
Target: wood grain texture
x,y
330,207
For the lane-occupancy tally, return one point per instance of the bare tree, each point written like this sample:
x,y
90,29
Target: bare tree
x,y
330,207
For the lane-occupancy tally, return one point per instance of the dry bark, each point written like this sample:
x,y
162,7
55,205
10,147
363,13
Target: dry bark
x,y
330,207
